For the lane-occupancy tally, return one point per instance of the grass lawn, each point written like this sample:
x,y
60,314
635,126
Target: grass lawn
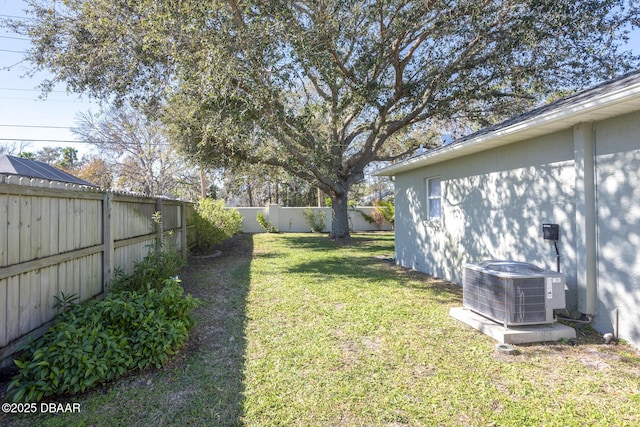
x,y
298,330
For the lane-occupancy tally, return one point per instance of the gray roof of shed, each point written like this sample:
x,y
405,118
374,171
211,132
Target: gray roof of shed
x,y
11,165
612,98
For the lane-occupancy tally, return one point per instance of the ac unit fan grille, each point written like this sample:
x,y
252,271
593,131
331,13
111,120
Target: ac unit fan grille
x,y
514,300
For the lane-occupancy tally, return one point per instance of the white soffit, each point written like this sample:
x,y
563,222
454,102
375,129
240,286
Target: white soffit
x,y
618,101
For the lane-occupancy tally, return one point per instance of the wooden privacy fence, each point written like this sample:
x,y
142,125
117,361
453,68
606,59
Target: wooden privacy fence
x,y
62,238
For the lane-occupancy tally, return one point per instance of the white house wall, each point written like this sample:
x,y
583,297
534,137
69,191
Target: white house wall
x,y
617,149
494,204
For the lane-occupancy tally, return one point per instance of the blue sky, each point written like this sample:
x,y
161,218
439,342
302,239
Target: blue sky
x,y
24,116
19,97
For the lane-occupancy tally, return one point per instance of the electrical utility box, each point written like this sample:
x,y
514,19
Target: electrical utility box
x,y
551,232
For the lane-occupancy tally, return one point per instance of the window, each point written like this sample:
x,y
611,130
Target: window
x,y
434,199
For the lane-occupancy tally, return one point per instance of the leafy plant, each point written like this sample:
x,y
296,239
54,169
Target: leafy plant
x,y
315,220
386,208
266,225
215,223
151,272
65,301
161,262
98,341
383,211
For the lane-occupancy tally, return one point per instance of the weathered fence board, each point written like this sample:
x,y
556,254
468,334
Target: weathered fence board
x,y
4,219
67,239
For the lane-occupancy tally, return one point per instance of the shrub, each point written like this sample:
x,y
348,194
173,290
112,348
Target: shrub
x,y
266,225
315,220
215,223
98,341
384,211
151,272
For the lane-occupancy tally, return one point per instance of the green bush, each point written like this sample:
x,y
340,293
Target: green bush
x,y
151,272
384,211
215,223
98,341
266,225
315,220
386,208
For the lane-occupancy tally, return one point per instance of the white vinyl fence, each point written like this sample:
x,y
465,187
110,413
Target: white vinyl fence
x,y
291,220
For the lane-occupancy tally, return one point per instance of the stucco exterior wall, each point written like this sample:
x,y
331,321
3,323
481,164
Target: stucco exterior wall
x,y
617,149
495,202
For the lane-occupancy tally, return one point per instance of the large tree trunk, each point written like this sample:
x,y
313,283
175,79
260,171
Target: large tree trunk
x,y
340,221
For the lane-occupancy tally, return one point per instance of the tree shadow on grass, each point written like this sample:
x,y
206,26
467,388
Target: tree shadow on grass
x,y
217,344
374,241
374,271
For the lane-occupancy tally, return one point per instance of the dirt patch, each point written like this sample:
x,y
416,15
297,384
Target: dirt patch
x,y
209,255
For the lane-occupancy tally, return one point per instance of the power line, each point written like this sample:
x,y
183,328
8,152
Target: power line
x,y
31,90
14,38
42,100
35,126
13,51
15,16
69,141
44,140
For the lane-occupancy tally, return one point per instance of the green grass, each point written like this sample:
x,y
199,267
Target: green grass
x,y
299,330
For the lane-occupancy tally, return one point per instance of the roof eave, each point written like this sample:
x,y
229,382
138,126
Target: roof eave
x,y
616,102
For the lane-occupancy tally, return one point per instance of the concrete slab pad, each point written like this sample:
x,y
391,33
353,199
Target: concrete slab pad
x,y
512,334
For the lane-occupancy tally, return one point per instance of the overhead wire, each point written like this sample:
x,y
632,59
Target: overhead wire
x,y
66,141
14,38
36,126
15,16
14,51
31,90
47,100
44,140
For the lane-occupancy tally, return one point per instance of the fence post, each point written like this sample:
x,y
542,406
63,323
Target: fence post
x,y
183,232
159,227
107,241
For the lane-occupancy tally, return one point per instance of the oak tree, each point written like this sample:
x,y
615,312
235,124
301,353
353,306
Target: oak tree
x,y
323,88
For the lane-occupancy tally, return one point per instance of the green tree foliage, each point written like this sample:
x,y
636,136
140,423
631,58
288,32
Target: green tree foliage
x,y
64,158
324,88
215,223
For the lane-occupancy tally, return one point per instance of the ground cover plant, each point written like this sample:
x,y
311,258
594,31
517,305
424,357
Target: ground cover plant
x,y
95,342
143,319
297,329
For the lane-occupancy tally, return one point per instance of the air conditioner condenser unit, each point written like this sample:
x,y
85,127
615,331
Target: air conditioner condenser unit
x,y
514,293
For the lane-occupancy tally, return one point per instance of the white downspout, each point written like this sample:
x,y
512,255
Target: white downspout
x,y
585,199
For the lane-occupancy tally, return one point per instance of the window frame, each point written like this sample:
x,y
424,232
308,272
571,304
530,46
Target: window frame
x,y
431,197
